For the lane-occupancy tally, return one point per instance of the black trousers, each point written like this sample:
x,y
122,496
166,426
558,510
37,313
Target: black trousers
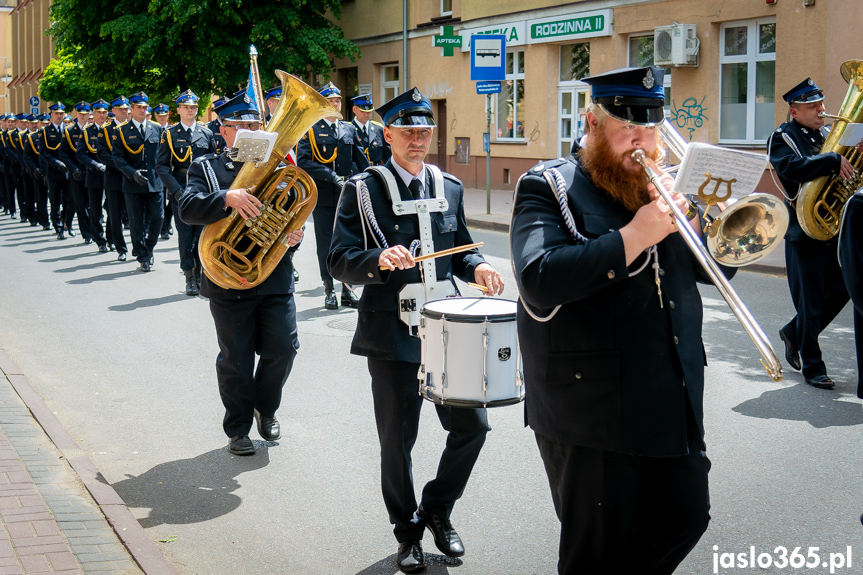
x,y
9,181
187,240
62,204
397,414
851,260
95,196
819,294
25,200
145,222
116,207
325,219
81,199
37,195
169,213
247,325
623,514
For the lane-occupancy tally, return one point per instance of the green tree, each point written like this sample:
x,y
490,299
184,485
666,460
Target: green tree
x,y
164,46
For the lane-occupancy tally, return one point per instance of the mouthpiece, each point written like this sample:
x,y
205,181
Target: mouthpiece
x,y
832,117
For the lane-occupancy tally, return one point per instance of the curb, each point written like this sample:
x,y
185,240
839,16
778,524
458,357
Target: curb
x,y
133,537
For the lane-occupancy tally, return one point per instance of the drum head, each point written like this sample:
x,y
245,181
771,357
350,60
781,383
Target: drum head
x,y
471,309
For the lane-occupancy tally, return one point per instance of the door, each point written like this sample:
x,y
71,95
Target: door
x,y
571,109
441,122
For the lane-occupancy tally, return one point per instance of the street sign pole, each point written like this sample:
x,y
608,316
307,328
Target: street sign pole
x,y
488,155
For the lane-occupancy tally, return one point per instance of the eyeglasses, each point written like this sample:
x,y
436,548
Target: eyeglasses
x,y
245,126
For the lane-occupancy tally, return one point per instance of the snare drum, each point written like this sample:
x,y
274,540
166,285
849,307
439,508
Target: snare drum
x,y
470,355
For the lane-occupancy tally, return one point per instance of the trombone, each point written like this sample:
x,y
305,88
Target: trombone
x,y
732,230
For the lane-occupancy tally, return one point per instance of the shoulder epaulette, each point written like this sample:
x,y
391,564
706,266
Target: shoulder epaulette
x,y
205,158
155,123
376,123
122,123
202,124
360,176
542,166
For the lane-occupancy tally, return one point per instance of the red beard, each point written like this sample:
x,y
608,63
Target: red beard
x,y
609,173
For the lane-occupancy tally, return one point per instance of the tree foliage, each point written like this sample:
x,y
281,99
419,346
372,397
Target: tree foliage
x,y
109,47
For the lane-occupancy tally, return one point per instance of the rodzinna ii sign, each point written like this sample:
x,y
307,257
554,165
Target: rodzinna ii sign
x,y
570,27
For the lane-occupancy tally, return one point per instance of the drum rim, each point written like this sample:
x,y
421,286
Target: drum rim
x,y
473,403
464,318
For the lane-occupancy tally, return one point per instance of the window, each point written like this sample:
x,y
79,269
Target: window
x,y
446,7
640,55
747,81
574,61
389,82
510,101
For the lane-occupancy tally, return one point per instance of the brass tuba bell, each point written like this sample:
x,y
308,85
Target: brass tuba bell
x,y
240,254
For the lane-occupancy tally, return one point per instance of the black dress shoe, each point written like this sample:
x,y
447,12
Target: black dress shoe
x,y
88,241
61,235
268,427
792,354
46,228
410,558
241,445
296,275
445,537
103,249
348,298
145,266
821,382
152,261
121,257
330,301
164,236
71,232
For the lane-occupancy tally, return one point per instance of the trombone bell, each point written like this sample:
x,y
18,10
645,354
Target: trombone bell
x,y
747,230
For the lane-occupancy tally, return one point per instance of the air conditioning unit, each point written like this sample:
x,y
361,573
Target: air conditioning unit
x,y
675,45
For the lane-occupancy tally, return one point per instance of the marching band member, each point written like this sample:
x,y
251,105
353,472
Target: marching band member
x,y
56,171
180,145
370,134
329,153
108,138
261,320
359,250
814,278
610,327
94,180
71,136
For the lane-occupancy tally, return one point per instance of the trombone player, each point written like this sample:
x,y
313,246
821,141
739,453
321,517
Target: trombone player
x,y
814,278
610,325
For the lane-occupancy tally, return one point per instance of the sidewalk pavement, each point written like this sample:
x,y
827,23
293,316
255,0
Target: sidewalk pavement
x,y
58,514
476,204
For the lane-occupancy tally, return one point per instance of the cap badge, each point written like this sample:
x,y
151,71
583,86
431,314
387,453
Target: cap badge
x,y
810,82
247,100
649,81
416,96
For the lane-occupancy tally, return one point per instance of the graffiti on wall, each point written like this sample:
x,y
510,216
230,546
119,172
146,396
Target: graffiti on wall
x,y
690,114
439,90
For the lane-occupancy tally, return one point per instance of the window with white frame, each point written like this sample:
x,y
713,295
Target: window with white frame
x,y
747,81
510,101
446,7
389,82
641,55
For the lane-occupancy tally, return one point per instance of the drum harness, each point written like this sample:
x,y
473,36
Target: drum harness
x,y
412,296
557,183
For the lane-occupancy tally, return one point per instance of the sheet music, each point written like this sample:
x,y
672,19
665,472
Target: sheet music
x,y
713,170
852,135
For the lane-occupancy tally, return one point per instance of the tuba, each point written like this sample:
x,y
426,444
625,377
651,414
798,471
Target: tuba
x,y
240,254
820,202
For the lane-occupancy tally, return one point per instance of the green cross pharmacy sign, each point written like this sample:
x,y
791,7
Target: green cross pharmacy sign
x,y
447,40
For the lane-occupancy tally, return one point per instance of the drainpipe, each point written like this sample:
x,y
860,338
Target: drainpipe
x,y
404,45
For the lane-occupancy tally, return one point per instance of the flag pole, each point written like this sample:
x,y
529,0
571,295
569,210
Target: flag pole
x,y
256,85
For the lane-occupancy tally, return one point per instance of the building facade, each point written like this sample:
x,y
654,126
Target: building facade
x,y
728,63
29,52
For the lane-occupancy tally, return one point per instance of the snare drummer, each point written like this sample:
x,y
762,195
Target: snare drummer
x,y
370,235
614,379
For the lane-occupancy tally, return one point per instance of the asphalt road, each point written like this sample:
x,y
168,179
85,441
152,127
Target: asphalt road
x,y
127,363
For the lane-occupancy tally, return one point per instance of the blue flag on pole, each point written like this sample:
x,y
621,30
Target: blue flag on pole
x,y
250,90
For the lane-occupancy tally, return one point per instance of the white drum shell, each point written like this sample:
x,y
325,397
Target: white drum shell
x,y
455,359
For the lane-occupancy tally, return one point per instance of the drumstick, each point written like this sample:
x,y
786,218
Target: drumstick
x,y
479,287
448,252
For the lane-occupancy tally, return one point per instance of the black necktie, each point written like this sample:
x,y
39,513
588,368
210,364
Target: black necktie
x,y
141,130
416,189
365,134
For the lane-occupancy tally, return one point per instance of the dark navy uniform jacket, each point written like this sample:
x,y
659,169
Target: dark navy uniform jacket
x,y
30,156
218,139
132,153
51,141
176,152
201,205
373,144
107,139
87,156
353,259
794,153
13,160
71,136
611,370
348,158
